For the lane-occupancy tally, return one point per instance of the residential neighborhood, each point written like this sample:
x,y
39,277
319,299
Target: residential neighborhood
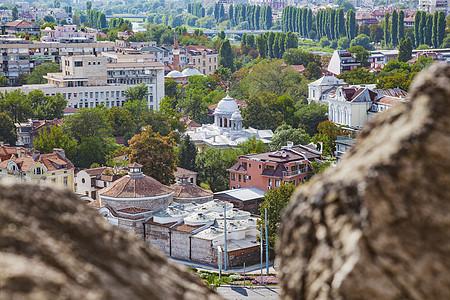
x,y
191,125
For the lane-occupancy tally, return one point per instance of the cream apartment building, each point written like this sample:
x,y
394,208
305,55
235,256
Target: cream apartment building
x,y
88,80
205,60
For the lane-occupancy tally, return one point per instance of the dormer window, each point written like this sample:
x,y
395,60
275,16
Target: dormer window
x,y
38,171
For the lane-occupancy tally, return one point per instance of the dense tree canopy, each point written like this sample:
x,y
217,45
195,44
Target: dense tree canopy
x,y
38,73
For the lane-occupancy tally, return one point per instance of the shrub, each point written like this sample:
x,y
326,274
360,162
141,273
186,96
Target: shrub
x,y
235,277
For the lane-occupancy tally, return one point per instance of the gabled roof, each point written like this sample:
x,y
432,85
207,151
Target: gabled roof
x,y
21,24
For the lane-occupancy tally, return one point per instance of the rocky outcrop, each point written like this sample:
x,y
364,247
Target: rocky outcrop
x,y
53,246
378,225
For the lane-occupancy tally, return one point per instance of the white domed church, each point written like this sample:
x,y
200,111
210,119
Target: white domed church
x,y
227,130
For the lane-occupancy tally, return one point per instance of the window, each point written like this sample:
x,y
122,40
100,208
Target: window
x,y
244,164
239,177
259,166
249,165
270,167
53,180
78,64
270,182
277,182
249,177
233,177
65,181
38,171
83,180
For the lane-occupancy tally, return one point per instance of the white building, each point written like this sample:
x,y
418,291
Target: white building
x,y
431,6
90,182
342,61
227,130
354,106
319,89
87,81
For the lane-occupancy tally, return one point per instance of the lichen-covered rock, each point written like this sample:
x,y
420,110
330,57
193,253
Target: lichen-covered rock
x,y
378,225
53,246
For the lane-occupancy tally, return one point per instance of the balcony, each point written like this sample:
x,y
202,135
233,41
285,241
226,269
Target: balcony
x,y
294,173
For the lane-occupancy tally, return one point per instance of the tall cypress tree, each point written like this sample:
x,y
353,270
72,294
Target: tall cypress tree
x,y
261,44
394,28
269,22
187,152
270,42
405,50
256,17
434,35
429,30
304,24
401,25
441,28
422,27
276,46
309,22
333,24
281,41
351,24
417,19
226,55
386,28
231,14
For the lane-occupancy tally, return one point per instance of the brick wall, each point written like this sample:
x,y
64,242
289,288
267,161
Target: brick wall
x,y
180,244
203,251
158,237
247,255
152,204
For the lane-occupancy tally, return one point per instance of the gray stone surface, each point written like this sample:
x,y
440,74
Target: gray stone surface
x,y
378,225
53,246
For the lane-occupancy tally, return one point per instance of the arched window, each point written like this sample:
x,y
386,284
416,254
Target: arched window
x,y
331,112
345,121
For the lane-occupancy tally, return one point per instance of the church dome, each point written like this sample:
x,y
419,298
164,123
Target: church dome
x,y
190,71
226,106
175,74
236,116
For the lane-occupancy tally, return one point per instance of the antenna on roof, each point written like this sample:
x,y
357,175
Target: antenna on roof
x,y
228,87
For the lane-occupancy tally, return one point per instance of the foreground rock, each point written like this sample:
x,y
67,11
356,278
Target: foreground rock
x,y
52,246
378,226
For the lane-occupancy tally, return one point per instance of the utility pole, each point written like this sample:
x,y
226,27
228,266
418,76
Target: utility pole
x,y
262,240
225,234
267,241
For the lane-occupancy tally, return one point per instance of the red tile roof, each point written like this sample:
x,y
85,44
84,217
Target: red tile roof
x,y
189,190
136,187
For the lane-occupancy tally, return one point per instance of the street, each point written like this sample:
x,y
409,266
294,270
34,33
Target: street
x,y
232,292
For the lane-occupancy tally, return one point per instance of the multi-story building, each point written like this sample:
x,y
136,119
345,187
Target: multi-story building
x,y
205,60
90,182
54,169
19,56
128,56
318,90
291,164
22,27
342,61
87,81
354,106
432,6
379,58
28,132
66,33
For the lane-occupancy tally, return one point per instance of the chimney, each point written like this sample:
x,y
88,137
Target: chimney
x,y
36,154
290,144
60,152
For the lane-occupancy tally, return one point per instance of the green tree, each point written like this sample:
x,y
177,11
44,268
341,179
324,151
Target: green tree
x,y
300,57
187,153
361,40
8,133
343,43
261,44
405,50
441,23
401,25
37,75
285,133
46,107
16,104
226,55
121,121
394,28
258,113
275,201
223,73
55,138
313,71
4,81
212,165
252,145
351,24
156,154
138,92
376,33
93,149
358,76
193,106
434,34
331,131
310,115
88,122
49,19
386,28
360,54
15,13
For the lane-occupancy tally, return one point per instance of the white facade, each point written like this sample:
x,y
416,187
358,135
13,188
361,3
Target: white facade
x,y
318,89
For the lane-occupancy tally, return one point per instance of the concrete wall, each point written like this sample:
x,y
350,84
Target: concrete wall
x,y
152,204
